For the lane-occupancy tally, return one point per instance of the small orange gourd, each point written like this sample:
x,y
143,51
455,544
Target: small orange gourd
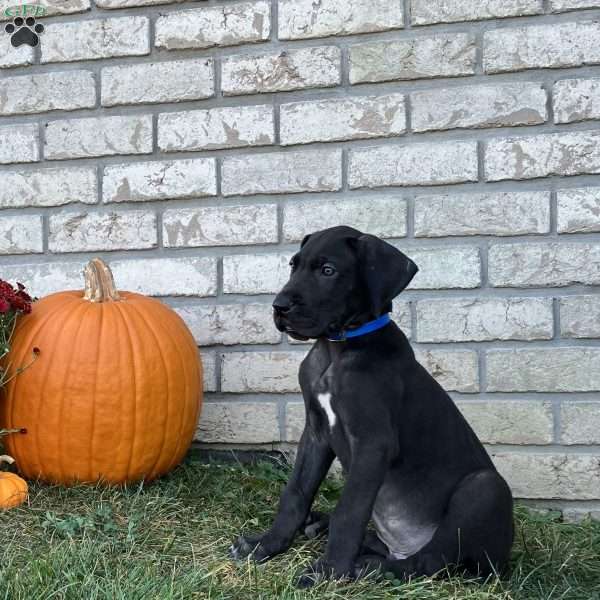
x,y
13,490
115,392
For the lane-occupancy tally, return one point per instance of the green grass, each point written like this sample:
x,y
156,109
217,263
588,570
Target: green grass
x,y
169,540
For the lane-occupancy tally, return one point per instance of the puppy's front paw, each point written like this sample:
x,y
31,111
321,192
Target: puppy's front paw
x,y
249,546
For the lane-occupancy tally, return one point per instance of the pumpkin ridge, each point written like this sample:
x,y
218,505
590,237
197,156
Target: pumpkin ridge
x,y
135,404
187,355
93,403
20,357
86,306
148,323
35,433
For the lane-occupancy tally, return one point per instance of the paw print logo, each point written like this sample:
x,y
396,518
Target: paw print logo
x,y
24,31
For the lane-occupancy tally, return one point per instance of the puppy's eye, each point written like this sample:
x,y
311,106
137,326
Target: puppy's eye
x,y
328,270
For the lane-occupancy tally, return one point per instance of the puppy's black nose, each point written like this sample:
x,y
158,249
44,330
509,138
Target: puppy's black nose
x,y
281,306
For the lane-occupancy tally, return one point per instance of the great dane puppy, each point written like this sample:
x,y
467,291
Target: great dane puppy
x,y
412,463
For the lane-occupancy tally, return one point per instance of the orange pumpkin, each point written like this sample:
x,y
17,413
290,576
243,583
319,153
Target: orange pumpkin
x,y
13,490
115,392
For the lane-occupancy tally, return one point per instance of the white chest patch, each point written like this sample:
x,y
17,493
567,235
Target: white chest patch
x,y
325,402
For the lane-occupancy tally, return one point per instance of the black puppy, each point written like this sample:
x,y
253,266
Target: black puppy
x,y
412,463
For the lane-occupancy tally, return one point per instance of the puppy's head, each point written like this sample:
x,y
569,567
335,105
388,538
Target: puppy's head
x,y
340,278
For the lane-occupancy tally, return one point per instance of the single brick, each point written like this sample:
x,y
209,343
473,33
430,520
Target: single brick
x,y
415,164
160,180
580,316
42,279
576,100
284,71
90,232
209,371
230,324
445,55
282,173
255,273
554,46
426,12
186,276
483,319
445,267
383,216
544,370
510,421
301,19
479,106
544,264
268,372
578,210
21,235
342,119
19,143
574,153
98,136
220,226
228,25
579,422
295,416
150,83
48,187
50,8
223,127
95,39
238,423
543,475
454,370
41,92
566,5
484,213
14,57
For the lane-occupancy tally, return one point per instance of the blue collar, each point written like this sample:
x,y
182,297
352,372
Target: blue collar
x,y
362,330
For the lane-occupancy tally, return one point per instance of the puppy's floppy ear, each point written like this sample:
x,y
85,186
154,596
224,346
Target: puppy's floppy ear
x,y
306,238
385,271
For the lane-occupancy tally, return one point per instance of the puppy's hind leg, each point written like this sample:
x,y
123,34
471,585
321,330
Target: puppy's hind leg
x,y
475,534
316,524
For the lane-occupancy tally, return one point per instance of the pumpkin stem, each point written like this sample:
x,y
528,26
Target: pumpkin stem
x,y
99,282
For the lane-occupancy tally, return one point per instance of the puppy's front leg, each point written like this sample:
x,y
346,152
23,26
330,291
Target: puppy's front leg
x,y
312,463
351,516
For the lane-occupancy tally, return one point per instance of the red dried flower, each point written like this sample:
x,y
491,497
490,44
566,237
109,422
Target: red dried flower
x,y
10,299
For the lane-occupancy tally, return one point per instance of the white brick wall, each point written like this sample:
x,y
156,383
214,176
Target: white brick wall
x,y
193,145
